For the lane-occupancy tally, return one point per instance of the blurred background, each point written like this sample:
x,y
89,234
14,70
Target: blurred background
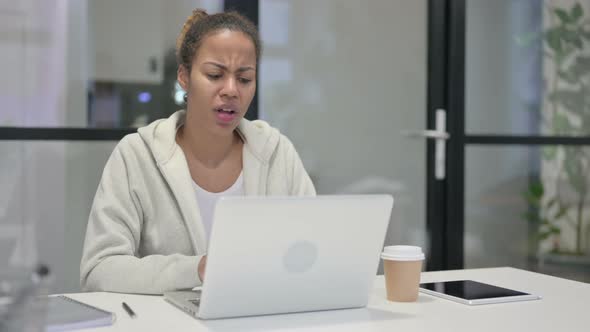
x,y
351,83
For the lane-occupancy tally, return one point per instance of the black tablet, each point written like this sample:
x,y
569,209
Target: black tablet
x,y
474,293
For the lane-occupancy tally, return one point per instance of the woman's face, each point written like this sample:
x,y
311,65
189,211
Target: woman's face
x,y
222,81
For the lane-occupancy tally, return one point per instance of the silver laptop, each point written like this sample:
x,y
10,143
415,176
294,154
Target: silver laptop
x,y
270,255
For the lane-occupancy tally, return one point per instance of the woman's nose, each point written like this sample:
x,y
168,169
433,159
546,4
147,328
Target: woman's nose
x,y
230,88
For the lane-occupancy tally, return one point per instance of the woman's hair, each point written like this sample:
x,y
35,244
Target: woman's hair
x,y
199,24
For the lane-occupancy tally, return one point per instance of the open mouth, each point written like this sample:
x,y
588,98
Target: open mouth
x,y
226,115
225,110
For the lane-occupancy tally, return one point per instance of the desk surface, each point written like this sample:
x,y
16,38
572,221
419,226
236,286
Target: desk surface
x,y
564,307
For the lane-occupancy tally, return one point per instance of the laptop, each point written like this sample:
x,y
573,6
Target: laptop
x,y
273,255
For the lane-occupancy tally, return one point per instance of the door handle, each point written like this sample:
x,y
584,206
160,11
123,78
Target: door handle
x,y
427,134
440,135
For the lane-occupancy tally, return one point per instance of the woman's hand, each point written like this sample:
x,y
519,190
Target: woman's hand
x,y
201,268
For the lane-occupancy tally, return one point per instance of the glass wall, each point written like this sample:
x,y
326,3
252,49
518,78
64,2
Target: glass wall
x,y
527,67
527,75
343,79
84,64
91,63
522,213
503,62
337,77
47,191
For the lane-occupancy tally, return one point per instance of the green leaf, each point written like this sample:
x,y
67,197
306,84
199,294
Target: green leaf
x,y
553,37
528,39
570,36
563,15
559,58
577,41
532,217
574,169
549,152
534,194
561,124
550,203
570,76
544,235
577,12
532,201
573,100
585,34
560,213
582,65
585,128
536,189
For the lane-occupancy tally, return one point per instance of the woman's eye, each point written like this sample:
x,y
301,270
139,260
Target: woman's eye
x,y
214,76
245,80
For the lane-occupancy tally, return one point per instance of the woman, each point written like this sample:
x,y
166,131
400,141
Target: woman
x,y
151,217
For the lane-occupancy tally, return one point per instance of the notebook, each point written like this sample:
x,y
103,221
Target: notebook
x,y
65,314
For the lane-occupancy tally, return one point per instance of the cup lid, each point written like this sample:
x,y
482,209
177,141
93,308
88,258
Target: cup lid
x,y
402,253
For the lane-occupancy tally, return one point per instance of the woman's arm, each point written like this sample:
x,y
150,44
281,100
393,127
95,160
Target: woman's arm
x,y
109,260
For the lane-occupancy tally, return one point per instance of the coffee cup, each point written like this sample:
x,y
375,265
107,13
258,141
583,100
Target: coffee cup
x,y
402,266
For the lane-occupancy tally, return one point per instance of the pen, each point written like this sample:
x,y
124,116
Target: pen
x,y
129,311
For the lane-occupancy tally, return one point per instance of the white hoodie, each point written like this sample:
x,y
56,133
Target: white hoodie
x,y
144,232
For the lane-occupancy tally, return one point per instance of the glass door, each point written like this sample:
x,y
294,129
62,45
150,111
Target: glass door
x,y
346,81
520,119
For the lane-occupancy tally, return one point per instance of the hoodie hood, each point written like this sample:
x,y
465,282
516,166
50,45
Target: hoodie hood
x,y
259,137
145,221
260,143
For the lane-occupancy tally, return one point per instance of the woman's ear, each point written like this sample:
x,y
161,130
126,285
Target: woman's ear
x,y
183,77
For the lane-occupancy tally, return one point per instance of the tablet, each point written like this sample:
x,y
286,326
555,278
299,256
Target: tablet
x,y
474,293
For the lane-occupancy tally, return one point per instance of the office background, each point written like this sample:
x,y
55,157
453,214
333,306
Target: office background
x,y
345,80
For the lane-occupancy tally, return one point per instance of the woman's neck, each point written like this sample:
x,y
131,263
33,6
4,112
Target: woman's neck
x,y
209,149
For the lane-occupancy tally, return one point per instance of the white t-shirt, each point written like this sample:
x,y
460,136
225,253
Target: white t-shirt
x,y
207,201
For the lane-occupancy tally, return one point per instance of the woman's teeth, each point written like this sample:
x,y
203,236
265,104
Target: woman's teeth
x,y
226,111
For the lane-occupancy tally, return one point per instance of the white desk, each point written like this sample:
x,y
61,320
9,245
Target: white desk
x,y
564,307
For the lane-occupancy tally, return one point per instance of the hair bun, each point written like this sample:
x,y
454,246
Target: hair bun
x,y
196,15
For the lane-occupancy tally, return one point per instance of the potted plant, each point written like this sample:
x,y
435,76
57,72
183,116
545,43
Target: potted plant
x,y
557,199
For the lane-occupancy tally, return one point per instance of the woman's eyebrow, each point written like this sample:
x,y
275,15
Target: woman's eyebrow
x,y
241,69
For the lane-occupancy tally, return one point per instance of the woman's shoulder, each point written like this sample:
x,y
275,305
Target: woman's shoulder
x,y
256,127
129,143
258,133
264,139
131,149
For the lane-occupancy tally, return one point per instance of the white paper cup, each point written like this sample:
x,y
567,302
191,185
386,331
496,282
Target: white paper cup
x,y
402,266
